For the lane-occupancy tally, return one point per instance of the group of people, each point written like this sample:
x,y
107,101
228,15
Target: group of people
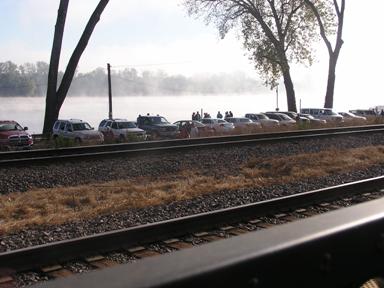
x,y
228,114
196,116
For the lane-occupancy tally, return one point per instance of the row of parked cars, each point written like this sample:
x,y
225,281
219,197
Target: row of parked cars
x,y
158,127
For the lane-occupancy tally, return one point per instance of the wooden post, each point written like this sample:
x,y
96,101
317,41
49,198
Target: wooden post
x,y
109,91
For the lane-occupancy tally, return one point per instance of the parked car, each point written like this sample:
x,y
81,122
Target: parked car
x,y
364,112
262,119
323,113
348,116
313,120
296,116
157,127
77,130
283,119
13,136
201,129
121,130
218,125
243,122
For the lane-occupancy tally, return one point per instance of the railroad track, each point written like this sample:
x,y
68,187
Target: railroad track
x,y
87,152
176,234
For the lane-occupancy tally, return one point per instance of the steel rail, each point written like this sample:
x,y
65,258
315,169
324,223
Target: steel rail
x,y
342,248
53,253
87,152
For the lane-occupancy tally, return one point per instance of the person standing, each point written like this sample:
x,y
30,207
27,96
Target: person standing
x,y
219,115
198,116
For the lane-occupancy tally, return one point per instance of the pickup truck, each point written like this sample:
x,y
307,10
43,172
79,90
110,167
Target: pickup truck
x,y
13,136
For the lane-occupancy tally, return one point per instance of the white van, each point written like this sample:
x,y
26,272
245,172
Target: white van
x,y
323,113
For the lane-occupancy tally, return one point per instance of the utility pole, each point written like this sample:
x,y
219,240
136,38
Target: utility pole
x,y
109,90
277,98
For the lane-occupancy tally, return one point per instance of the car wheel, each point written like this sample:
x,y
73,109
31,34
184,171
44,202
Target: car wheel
x,y
77,141
121,139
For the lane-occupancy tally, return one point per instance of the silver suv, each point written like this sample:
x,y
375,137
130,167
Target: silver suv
x,y
121,130
323,113
78,130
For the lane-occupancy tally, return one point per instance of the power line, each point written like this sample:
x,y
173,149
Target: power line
x,y
152,64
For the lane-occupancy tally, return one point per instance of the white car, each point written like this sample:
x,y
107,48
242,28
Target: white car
x,y
243,122
121,130
313,120
218,125
348,116
323,113
262,119
77,130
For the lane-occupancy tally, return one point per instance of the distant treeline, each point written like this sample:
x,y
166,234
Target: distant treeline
x,y
31,80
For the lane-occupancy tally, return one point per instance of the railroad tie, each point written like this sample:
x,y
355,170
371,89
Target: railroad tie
x,y
99,261
56,271
7,282
142,252
177,244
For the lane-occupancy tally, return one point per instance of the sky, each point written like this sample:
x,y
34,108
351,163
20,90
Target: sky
x,y
159,35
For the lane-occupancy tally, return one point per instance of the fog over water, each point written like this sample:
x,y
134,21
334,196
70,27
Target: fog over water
x,y
29,111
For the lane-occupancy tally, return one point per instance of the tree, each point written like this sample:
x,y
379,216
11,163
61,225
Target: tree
x,y
275,32
324,23
56,96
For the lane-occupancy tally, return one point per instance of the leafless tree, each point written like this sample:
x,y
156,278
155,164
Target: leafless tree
x,y
56,94
317,7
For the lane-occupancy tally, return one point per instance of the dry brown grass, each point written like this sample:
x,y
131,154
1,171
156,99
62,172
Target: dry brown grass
x,y
59,205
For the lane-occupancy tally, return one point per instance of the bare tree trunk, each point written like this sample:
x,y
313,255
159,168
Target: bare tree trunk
x,y
75,58
331,83
51,112
288,83
291,98
333,54
56,97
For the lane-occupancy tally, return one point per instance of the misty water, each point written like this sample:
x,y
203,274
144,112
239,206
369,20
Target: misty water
x,y
29,111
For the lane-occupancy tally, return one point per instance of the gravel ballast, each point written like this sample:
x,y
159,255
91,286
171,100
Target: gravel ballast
x,y
218,162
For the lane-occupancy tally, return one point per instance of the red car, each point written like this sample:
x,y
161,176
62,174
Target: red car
x,y
13,136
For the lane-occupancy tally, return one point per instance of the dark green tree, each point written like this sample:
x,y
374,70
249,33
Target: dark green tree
x,y
275,33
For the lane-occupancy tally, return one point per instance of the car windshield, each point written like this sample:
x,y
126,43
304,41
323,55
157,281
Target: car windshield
x,y
125,125
285,117
10,127
262,116
206,121
198,124
159,120
309,116
329,112
274,116
81,126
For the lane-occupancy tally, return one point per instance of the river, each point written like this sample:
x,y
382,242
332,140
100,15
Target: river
x,y
29,111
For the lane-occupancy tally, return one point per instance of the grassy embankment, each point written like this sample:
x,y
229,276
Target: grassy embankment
x,y
59,205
